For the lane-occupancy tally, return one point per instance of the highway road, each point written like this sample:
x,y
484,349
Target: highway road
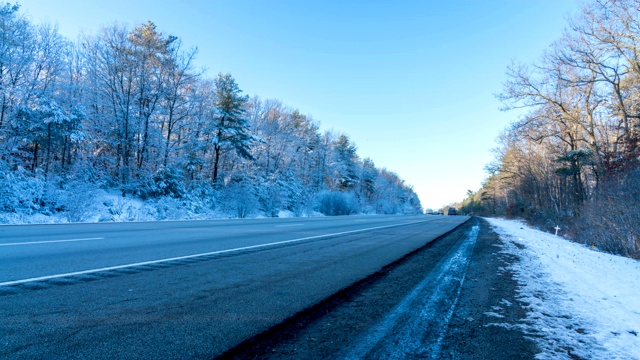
x,y
183,289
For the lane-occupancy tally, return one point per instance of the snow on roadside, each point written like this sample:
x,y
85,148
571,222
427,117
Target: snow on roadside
x,y
580,302
94,206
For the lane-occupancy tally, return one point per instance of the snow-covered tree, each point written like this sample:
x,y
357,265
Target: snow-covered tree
x,y
229,124
126,109
32,59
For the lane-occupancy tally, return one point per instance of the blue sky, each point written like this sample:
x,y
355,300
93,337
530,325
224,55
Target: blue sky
x,y
411,82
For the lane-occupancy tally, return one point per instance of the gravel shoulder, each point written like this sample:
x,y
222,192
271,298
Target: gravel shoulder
x,y
333,328
488,298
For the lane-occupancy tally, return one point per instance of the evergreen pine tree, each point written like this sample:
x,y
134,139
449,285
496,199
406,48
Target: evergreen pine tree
x,y
230,124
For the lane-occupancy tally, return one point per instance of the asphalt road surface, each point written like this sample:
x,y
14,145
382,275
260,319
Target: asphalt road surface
x,y
452,299
183,289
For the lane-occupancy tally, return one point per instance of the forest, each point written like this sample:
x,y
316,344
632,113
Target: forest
x,y
572,159
128,111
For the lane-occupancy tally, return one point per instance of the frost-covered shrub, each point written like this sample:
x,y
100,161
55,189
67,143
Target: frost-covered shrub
x,y
302,205
280,192
168,208
10,218
333,203
66,197
76,201
368,209
202,197
295,193
270,198
167,181
387,207
23,193
15,192
121,209
239,199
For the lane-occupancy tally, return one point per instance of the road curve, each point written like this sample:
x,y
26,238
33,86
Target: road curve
x,y
182,289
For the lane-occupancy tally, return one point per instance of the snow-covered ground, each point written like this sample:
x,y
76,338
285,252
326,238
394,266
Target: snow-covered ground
x,y
102,206
581,303
109,206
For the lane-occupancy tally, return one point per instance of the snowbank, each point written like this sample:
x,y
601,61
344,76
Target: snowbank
x,y
98,205
580,302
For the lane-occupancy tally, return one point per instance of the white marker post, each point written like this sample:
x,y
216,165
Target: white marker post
x,y
557,228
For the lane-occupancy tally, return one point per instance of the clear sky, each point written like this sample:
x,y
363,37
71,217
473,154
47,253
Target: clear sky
x,y
412,83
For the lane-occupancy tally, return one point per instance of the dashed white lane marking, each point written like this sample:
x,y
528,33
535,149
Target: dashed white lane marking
x,y
110,268
50,241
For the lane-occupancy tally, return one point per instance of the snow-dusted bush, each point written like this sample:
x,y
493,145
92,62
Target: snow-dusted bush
x,y
120,208
169,208
20,192
239,199
281,192
76,201
385,206
202,198
271,198
302,205
167,181
15,192
337,203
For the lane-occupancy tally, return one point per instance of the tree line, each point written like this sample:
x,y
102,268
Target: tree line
x,y
572,159
128,109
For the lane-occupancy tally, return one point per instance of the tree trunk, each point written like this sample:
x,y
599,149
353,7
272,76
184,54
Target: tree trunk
x,y
35,158
48,157
169,130
216,162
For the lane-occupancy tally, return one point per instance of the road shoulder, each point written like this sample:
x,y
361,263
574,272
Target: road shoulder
x,y
331,329
485,323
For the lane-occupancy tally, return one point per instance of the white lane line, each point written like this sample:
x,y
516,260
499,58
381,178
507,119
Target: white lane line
x,y
290,225
50,241
110,268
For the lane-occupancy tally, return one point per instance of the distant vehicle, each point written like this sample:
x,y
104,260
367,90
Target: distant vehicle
x,y
440,212
429,212
452,211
